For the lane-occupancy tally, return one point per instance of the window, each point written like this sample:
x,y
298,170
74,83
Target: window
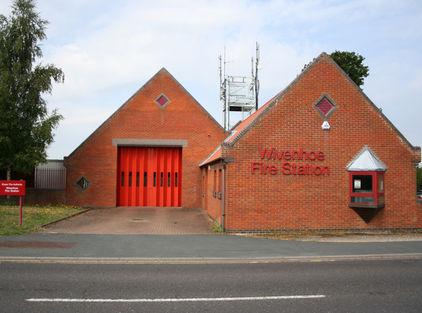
x,y
162,100
366,176
145,179
214,186
122,179
367,189
161,179
219,180
168,179
325,107
83,183
175,179
130,179
154,182
362,183
137,179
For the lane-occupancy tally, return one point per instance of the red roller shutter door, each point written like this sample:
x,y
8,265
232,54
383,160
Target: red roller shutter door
x,y
149,176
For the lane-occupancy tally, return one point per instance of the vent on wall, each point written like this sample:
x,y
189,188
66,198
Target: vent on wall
x,y
83,183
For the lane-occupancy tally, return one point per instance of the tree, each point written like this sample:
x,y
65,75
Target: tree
x,y
419,178
26,126
352,64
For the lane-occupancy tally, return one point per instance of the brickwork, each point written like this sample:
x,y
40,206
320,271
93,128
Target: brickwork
x,y
277,201
213,192
141,118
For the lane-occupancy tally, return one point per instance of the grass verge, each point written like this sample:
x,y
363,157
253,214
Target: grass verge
x,y
33,217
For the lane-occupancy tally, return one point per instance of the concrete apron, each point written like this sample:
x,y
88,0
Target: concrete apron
x,y
135,220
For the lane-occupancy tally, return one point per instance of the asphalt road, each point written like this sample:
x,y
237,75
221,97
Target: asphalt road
x,y
341,286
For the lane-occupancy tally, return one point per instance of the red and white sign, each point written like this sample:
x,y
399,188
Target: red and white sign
x,y
12,187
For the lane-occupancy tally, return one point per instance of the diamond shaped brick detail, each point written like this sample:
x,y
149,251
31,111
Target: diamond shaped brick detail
x,y
83,183
162,100
324,106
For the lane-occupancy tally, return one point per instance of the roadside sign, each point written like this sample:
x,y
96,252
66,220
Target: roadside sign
x,y
14,188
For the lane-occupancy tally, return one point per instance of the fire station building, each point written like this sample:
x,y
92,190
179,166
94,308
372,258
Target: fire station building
x,y
318,155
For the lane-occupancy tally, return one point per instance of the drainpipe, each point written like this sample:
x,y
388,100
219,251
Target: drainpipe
x,y
223,196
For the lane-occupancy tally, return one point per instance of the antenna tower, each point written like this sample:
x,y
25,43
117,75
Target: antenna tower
x,y
238,94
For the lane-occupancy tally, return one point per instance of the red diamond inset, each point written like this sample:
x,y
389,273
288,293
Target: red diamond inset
x,y
324,106
162,100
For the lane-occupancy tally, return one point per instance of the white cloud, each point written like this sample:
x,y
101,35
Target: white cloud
x,y
108,49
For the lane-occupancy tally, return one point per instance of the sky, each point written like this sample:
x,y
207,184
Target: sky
x,y
109,49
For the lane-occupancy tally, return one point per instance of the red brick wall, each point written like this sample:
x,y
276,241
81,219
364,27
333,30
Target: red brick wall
x,y
264,202
140,118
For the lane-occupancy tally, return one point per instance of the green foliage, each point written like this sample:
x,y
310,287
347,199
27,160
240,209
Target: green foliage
x,y
26,126
352,64
419,178
217,228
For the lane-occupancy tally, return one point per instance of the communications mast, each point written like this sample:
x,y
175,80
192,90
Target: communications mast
x,y
238,94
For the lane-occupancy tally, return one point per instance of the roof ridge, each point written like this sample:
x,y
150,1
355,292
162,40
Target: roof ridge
x,y
383,116
118,110
163,70
274,100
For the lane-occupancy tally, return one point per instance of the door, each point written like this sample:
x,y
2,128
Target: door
x,y
149,176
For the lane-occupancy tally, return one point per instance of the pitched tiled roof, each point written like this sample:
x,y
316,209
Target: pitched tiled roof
x,y
215,155
245,123
241,128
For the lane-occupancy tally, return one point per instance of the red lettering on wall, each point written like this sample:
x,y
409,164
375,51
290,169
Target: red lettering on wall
x,y
288,167
290,155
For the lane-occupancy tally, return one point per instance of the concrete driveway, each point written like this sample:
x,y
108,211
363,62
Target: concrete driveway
x,y
135,220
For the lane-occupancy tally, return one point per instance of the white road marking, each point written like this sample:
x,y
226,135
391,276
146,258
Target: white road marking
x,y
178,299
258,260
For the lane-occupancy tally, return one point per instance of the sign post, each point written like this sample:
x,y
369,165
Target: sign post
x,y
14,188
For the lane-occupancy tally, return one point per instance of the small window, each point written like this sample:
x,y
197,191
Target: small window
x,y
362,183
219,180
137,179
366,176
161,179
168,179
175,179
122,179
325,107
145,179
214,187
83,183
130,179
162,100
154,181
381,183
367,189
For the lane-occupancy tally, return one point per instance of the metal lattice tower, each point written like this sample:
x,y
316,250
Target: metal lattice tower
x,y
238,93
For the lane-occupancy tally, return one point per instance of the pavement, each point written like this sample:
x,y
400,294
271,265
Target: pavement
x,y
156,248
175,235
135,220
